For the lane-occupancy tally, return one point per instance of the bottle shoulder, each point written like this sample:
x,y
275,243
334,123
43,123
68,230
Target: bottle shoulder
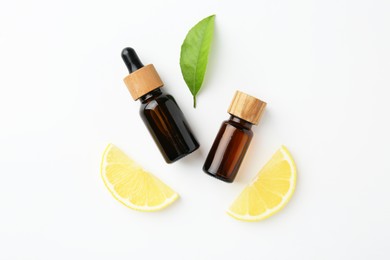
x,y
237,127
163,99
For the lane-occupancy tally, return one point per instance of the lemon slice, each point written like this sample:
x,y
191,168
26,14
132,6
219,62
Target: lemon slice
x,y
270,190
132,185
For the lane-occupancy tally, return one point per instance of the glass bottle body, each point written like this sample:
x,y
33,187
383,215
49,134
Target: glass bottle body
x,y
229,149
167,125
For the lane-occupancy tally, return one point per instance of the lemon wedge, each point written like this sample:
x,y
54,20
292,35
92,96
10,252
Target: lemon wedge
x,y
131,185
269,191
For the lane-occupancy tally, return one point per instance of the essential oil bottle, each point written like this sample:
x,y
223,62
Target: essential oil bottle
x,y
159,111
234,137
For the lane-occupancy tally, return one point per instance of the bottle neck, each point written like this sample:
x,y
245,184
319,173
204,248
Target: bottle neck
x,y
151,95
240,122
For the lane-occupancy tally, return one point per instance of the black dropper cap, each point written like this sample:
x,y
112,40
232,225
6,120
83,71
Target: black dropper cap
x,y
131,59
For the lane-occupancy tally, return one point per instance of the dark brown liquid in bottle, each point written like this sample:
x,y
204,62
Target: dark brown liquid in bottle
x,y
167,125
161,114
228,149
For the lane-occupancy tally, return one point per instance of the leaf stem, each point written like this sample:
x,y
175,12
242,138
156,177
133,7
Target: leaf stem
x,y
194,101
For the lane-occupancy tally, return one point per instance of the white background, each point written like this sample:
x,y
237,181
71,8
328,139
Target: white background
x,y
322,66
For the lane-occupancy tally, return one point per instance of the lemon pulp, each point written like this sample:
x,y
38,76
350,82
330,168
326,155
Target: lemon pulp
x,y
131,185
269,191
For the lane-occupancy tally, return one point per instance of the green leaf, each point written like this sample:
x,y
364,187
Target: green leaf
x,y
195,52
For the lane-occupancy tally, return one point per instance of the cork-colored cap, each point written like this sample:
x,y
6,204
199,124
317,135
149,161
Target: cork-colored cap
x,y
142,81
247,107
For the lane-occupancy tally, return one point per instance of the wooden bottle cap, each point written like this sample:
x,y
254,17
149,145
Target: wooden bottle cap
x,y
142,81
247,107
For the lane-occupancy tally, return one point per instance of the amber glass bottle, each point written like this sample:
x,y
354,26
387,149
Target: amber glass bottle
x,y
234,137
160,112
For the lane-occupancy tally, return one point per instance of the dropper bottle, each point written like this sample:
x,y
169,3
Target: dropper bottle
x,y
159,111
